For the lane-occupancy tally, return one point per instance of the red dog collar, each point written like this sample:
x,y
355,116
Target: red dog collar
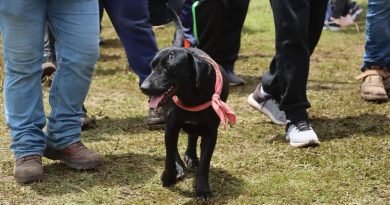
x,y
223,111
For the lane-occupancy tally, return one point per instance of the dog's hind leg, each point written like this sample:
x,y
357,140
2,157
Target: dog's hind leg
x,y
190,156
168,177
202,187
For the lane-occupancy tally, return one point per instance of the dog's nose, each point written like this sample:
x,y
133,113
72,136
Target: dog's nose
x,y
145,86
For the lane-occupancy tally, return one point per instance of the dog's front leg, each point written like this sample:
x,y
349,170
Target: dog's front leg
x,y
190,156
202,176
168,177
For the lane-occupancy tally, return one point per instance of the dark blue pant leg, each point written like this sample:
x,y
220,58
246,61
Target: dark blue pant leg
x,y
131,22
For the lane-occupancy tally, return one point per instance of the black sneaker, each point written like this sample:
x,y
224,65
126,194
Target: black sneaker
x,y
48,68
333,24
234,80
156,116
87,122
354,10
268,106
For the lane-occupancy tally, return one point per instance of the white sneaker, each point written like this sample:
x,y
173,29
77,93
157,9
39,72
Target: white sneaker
x,y
301,134
268,106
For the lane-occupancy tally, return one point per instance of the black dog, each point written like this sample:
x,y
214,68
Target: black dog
x,y
188,74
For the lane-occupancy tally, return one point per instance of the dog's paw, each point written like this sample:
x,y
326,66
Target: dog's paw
x,y
192,162
204,194
168,178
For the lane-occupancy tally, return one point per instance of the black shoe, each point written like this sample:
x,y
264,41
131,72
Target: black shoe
x,y
48,67
156,116
87,122
354,10
234,80
333,24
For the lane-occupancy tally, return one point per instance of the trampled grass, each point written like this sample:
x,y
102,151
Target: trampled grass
x,y
252,163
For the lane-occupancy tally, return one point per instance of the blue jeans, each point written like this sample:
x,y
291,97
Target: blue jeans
x,y
377,50
75,25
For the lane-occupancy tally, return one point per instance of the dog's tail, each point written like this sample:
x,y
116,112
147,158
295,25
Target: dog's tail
x,y
178,40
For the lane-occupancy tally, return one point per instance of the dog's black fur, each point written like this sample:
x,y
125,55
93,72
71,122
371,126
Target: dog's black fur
x,y
193,81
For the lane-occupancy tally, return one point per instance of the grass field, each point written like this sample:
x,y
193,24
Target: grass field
x,y
252,163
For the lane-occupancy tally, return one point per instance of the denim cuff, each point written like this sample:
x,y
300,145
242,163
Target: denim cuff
x,y
63,144
18,156
369,65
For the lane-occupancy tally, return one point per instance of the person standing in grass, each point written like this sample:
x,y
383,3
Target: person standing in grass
x,y
215,26
281,95
342,13
376,59
75,25
132,23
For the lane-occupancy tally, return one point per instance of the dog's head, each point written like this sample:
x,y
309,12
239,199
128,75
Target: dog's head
x,y
180,71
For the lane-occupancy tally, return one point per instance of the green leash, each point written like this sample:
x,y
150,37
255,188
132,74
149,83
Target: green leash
x,y
195,25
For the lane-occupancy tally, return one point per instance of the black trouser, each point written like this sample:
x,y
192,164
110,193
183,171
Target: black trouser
x,y
219,24
340,8
298,27
49,41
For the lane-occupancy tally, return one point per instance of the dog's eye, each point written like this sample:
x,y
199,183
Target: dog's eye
x,y
165,66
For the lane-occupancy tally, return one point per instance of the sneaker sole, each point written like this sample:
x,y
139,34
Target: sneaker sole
x,y
237,84
81,166
334,29
375,98
48,68
78,166
311,143
252,102
32,179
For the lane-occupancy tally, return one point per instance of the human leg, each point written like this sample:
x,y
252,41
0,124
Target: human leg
x,y
219,25
49,57
339,8
232,28
186,19
22,36
22,28
75,25
131,21
298,26
376,59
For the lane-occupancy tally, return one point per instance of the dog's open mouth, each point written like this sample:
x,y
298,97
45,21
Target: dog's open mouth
x,y
157,100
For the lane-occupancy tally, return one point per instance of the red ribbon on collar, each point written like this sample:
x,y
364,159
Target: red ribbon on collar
x,y
224,112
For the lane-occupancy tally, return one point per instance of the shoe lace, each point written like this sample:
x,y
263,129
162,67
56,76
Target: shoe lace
x,y
302,125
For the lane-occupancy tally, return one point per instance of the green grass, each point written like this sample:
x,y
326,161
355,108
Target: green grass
x,y
252,163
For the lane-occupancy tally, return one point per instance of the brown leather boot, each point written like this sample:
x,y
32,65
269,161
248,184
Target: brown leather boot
x,y
76,156
386,82
373,87
28,169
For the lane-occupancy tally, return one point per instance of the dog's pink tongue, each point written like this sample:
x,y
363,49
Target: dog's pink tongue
x,y
155,100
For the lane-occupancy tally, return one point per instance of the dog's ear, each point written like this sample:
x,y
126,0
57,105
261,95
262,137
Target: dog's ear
x,y
202,70
163,59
